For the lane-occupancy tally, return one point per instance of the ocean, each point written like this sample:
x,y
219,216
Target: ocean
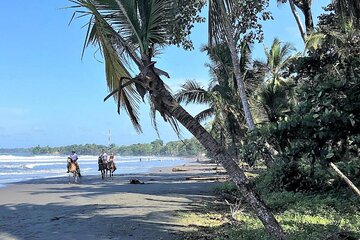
x,y
16,168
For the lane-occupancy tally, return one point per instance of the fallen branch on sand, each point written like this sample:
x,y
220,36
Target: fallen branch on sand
x,y
179,170
208,178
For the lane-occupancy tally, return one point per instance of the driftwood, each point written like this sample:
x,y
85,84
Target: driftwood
x,y
353,187
207,178
179,170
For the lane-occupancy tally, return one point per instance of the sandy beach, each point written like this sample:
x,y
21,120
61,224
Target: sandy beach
x,y
104,209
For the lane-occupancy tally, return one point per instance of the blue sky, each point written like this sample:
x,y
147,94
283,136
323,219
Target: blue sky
x,y
49,96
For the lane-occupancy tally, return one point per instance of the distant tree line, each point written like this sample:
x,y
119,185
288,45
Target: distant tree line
x,y
14,150
186,148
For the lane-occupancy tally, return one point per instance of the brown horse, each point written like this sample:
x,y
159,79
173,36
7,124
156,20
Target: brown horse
x,y
74,171
111,168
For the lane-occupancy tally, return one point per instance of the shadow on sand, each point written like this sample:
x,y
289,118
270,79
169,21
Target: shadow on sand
x,y
96,209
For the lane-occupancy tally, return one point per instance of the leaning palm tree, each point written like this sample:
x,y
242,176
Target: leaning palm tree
x,y
129,34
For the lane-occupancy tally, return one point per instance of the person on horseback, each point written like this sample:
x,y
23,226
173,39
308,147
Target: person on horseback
x,y
111,161
102,159
73,158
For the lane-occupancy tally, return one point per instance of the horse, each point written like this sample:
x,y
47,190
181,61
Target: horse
x,y
111,168
102,167
73,170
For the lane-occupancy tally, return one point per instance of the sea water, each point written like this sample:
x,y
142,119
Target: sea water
x,y
22,168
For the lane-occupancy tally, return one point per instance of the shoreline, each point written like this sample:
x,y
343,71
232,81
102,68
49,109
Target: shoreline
x,y
128,165
104,209
191,164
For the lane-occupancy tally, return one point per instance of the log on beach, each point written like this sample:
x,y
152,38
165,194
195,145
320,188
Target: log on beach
x,y
179,170
215,178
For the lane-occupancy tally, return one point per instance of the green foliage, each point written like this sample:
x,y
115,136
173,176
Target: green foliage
x,y
303,215
323,126
186,15
226,187
186,148
244,18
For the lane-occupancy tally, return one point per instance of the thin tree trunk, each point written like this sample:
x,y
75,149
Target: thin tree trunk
x,y
166,104
234,171
352,186
309,23
244,99
305,7
237,72
298,20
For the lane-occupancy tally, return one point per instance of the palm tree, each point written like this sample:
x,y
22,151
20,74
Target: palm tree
x,y
129,33
275,94
222,95
221,15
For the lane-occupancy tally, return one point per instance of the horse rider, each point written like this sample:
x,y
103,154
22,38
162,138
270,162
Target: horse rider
x,y
73,158
111,160
102,159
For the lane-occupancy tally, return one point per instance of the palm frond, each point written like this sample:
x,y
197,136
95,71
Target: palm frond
x,y
100,33
192,92
153,117
205,114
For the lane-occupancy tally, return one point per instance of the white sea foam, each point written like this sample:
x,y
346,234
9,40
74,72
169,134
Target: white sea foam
x,y
20,168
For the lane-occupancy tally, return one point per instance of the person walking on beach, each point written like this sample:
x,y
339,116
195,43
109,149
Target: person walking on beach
x,y
73,158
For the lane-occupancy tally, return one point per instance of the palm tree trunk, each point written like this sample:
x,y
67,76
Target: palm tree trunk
x,y
298,20
309,23
234,171
244,99
305,7
166,103
237,72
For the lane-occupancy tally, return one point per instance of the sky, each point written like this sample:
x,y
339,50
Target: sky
x,y
50,96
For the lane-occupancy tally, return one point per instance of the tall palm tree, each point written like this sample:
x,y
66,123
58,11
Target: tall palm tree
x,y
221,16
129,33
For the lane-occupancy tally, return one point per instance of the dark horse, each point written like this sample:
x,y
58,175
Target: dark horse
x,y
105,167
102,167
74,172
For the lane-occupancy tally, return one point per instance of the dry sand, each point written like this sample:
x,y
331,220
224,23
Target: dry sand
x,y
104,209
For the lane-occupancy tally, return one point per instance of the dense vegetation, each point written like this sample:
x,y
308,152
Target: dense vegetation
x,y
306,108
185,148
296,113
